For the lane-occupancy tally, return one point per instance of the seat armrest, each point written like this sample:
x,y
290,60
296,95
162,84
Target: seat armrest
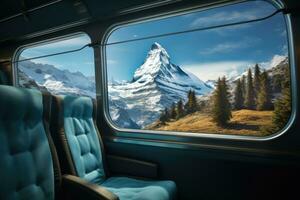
x,y
131,167
76,188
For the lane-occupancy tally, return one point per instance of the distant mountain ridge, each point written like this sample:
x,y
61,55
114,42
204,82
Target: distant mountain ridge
x,y
55,80
155,85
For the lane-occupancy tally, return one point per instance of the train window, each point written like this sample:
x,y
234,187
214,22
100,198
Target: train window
x,y
224,70
69,72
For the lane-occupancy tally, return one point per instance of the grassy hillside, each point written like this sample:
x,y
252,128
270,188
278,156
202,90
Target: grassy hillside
x,y
243,122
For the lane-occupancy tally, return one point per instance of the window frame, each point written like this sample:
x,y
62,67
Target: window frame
x,y
184,136
21,48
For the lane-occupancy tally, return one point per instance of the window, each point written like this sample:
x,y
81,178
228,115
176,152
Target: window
x,y
67,73
223,70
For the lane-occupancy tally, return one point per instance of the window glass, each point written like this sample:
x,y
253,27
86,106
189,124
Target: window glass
x,y
68,73
225,80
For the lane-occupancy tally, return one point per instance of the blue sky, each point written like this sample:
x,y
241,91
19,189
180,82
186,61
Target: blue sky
x,y
82,61
208,54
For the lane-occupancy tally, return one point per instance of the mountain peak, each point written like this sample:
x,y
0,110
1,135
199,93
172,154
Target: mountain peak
x,y
156,60
156,45
158,50
159,69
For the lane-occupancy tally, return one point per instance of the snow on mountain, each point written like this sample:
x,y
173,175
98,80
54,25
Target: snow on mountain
x,y
156,84
55,80
278,65
277,60
211,83
158,68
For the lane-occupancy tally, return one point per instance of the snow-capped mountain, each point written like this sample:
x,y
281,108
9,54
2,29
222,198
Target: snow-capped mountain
x,y
278,65
55,80
156,84
276,62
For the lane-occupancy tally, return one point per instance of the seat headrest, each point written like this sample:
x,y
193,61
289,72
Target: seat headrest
x,y
77,106
19,103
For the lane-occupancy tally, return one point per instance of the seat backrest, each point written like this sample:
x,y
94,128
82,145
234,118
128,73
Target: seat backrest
x,y
73,129
26,166
5,74
3,79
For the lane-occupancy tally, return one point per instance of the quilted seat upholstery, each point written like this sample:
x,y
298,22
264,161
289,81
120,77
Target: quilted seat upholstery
x,y
82,138
78,134
26,166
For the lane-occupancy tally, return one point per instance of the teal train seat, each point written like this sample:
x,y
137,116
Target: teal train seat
x,y
3,78
81,152
26,165
29,167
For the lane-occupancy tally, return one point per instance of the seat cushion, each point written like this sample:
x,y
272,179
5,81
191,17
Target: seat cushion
x,y
26,167
135,189
83,138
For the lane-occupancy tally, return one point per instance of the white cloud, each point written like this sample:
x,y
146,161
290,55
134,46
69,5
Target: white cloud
x,y
283,33
222,48
224,17
213,70
228,47
111,62
285,50
89,63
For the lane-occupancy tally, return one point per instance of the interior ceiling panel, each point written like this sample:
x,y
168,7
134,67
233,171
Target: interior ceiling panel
x,y
19,18
12,7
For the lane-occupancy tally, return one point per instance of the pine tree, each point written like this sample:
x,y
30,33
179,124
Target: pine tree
x,y
277,83
256,81
264,96
194,103
187,104
163,117
249,96
238,96
173,111
179,110
221,106
243,83
282,106
282,110
167,114
191,104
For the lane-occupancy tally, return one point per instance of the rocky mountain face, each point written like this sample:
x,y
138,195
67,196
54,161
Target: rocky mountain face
x,y
156,84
